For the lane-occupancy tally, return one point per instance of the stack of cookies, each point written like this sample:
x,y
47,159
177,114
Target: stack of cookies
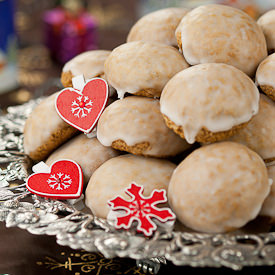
x,y
185,79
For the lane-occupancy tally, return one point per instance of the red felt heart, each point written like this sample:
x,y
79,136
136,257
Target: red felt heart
x,y
65,181
83,109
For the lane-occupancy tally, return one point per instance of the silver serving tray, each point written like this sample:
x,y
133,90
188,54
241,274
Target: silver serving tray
x,y
81,230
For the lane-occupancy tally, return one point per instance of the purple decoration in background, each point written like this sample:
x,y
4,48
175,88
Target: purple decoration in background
x,y
67,36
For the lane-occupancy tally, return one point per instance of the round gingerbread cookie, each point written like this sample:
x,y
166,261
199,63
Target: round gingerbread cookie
x,y
142,68
115,175
90,64
265,76
89,153
158,26
209,102
44,130
221,34
268,208
135,124
259,133
219,187
267,24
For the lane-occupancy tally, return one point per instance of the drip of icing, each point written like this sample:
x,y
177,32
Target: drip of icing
x,y
120,94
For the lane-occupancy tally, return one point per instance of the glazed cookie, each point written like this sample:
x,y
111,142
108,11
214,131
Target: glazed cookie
x,y
268,208
221,34
134,124
90,64
267,24
87,152
44,130
209,102
142,68
219,187
265,76
259,133
115,175
158,26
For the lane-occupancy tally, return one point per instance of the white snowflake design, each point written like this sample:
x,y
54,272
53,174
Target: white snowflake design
x,y
59,181
82,107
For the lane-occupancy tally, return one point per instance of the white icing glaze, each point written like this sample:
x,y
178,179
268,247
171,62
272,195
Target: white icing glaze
x,y
90,64
259,133
87,152
135,66
265,74
135,120
40,125
268,208
219,187
158,26
267,24
214,96
222,34
121,94
116,174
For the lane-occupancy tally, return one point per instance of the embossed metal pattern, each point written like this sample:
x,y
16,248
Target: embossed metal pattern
x,y
84,231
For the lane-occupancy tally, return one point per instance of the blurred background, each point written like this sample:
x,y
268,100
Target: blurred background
x,y
38,36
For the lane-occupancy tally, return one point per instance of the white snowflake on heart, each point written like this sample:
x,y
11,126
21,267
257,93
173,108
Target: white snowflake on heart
x,y
59,181
82,107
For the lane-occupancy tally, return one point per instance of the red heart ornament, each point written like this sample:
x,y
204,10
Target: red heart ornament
x,y
83,109
65,181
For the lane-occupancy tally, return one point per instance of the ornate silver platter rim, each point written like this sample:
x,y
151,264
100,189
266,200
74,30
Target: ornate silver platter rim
x,y
84,231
